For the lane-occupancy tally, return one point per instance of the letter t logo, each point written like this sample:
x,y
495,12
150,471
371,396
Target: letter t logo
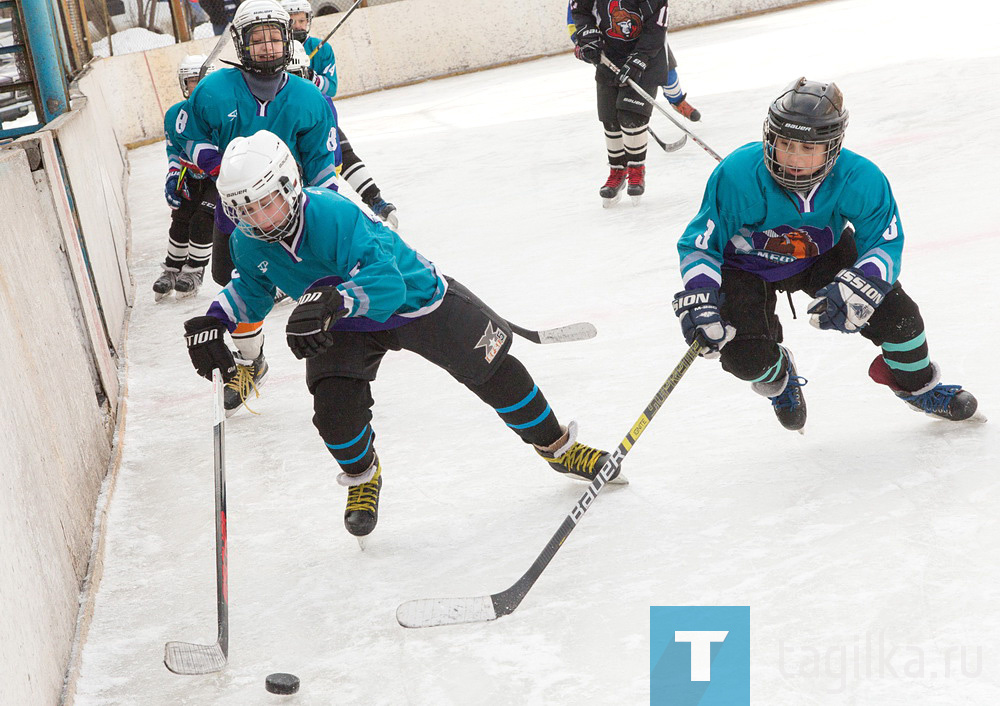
x,y
701,650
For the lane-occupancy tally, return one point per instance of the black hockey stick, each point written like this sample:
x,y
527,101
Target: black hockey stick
x,y
216,50
646,97
430,612
342,21
187,657
561,334
668,146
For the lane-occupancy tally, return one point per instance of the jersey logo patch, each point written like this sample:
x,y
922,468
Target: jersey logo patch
x,y
492,340
232,116
796,243
624,24
263,266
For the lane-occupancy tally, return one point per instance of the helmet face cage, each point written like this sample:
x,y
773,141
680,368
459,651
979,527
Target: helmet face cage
x,y
269,231
294,6
807,112
241,38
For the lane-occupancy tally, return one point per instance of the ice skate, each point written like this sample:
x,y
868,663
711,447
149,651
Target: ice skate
x,y
385,211
612,189
361,514
636,182
576,460
250,375
189,281
165,283
948,402
686,109
786,396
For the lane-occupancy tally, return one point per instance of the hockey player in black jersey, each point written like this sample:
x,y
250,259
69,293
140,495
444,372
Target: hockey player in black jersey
x,y
631,34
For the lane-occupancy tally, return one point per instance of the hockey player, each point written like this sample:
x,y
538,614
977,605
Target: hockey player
x,y
632,34
190,195
238,102
362,292
672,91
798,213
323,73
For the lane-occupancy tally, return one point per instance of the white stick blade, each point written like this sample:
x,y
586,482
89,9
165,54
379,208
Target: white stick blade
x,y
564,334
188,658
430,612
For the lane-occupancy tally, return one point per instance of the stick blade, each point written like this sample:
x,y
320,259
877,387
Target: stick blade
x,y
431,612
189,658
563,334
674,146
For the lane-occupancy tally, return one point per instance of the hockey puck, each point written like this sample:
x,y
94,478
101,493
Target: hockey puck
x,y
281,683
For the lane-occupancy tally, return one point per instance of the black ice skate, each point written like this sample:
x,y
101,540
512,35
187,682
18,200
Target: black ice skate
x,y
612,189
789,403
576,460
189,281
165,283
361,514
250,375
949,402
385,211
636,182
686,109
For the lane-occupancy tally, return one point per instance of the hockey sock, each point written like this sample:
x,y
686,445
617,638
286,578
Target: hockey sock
x,y
909,362
249,339
342,415
672,90
635,139
177,244
773,380
200,244
615,145
355,173
521,405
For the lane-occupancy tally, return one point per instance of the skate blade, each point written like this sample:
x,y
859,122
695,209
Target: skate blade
x,y
185,295
363,542
157,297
636,200
608,203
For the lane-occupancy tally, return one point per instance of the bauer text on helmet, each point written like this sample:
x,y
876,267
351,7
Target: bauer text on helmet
x,y
261,33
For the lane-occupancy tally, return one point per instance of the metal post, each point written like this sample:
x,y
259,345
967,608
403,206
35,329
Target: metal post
x,y
46,57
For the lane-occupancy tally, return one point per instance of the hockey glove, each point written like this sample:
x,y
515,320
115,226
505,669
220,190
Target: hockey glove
x,y
848,301
203,335
174,190
308,330
589,45
632,69
698,310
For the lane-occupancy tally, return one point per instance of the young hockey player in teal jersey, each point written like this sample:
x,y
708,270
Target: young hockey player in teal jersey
x,y
361,293
798,213
190,193
322,71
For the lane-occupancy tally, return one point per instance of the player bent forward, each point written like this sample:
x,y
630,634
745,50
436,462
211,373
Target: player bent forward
x,y
797,213
362,292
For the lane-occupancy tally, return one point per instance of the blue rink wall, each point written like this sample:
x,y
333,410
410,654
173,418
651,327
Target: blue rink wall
x,y
66,293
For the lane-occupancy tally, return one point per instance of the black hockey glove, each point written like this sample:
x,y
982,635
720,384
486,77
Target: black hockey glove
x,y
206,348
848,301
589,45
175,190
308,330
632,69
698,310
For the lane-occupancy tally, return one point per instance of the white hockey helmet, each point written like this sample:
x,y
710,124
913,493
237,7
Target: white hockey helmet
x,y
190,67
293,6
260,187
299,61
257,13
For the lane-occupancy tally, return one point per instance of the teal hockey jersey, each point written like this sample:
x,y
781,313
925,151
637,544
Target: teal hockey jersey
x,y
384,282
324,64
749,222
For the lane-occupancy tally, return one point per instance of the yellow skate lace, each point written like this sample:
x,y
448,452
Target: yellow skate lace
x,y
580,458
365,496
243,383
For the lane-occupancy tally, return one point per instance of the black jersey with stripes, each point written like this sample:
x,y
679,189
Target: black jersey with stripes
x,y
627,27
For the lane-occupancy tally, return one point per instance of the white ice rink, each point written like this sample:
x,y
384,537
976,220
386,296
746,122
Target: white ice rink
x,y
868,549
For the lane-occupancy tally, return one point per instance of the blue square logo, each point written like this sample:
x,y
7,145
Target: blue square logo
x,y
699,655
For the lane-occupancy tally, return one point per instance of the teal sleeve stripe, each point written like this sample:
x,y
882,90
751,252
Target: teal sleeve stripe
x,y
522,403
351,442
907,346
534,421
908,367
356,458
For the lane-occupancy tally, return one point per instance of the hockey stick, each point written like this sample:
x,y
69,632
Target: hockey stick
x,y
216,50
646,97
431,612
561,334
187,657
342,21
668,146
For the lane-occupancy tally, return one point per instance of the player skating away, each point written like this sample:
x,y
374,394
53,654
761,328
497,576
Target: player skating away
x,y
632,34
323,65
798,213
191,196
362,292
236,102
672,90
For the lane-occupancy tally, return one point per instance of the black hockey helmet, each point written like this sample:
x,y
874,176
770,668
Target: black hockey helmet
x,y
806,111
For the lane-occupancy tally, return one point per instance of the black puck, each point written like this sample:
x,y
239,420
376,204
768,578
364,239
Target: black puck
x,y
281,683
